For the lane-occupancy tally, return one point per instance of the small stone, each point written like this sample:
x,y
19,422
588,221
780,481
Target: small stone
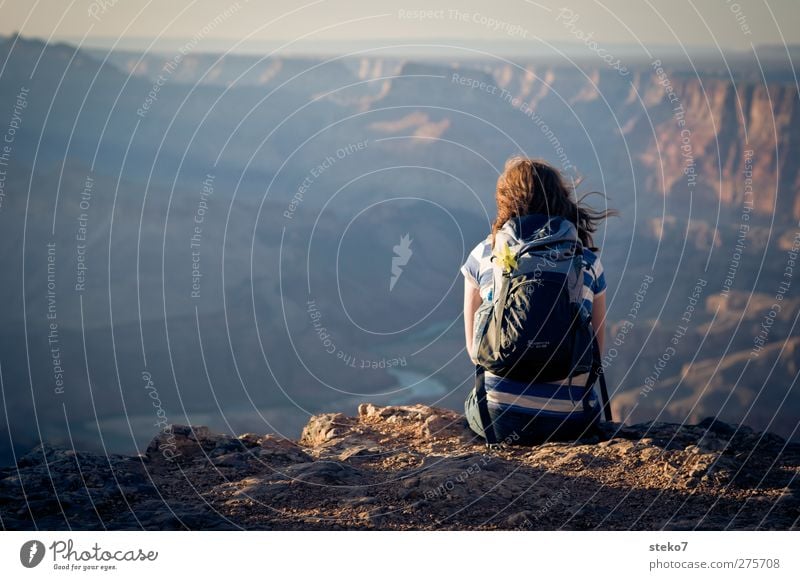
x,y
323,428
367,410
357,451
399,412
436,427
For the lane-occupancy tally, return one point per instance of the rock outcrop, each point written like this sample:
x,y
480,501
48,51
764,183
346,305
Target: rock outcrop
x,y
414,467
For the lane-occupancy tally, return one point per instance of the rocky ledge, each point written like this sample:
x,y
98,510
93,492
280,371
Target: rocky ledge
x,y
414,467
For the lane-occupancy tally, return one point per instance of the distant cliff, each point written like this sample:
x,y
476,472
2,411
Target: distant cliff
x,y
687,131
414,467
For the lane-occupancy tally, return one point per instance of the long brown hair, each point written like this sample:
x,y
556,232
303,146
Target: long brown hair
x,y
529,186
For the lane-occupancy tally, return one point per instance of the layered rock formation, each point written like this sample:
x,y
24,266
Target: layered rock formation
x,y
414,467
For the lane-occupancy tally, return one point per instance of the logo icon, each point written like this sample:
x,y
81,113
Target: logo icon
x,y
31,553
402,254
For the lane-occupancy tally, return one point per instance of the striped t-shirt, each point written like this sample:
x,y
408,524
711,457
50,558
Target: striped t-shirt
x,y
546,399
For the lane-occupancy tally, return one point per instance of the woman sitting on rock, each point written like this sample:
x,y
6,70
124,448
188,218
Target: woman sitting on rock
x,y
534,311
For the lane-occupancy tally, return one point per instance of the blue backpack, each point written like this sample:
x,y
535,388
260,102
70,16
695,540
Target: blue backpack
x,y
535,328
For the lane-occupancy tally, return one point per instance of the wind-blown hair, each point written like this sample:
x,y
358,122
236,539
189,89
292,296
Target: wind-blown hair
x,y
529,186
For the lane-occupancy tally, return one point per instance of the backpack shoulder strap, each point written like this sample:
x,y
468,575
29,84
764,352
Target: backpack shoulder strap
x,y
604,395
483,407
598,371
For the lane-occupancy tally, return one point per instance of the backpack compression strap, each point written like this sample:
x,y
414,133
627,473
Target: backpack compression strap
x,y
483,407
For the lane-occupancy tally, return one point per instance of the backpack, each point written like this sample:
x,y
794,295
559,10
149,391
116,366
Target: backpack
x,y
535,328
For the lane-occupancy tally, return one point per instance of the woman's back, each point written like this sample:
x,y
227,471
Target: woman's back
x,y
535,411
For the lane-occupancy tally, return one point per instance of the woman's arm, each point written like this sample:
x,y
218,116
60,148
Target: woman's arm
x,y
599,319
472,299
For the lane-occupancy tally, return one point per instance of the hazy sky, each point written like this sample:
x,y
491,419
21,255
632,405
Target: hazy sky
x,y
733,24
